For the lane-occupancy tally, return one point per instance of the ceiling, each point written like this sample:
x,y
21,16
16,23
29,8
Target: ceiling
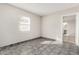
x,y
44,8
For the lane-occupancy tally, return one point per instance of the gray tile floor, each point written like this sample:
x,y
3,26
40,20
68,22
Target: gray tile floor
x,y
40,47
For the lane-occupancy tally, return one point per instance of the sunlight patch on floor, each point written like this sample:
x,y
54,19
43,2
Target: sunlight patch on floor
x,y
50,42
55,42
46,42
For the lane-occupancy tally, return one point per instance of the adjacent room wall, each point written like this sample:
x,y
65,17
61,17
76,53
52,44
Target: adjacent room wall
x,y
71,28
9,25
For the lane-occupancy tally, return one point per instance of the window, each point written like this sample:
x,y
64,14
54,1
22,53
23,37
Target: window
x,y
24,24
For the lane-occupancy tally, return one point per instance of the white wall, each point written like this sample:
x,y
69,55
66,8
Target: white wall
x,y
52,24
51,27
9,25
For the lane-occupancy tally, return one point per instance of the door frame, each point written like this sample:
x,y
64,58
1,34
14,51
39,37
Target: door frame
x,y
70,14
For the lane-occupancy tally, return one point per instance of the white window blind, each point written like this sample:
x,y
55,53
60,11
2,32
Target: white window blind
x,y
24,24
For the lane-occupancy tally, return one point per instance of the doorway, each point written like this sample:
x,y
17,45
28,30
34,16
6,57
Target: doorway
x,y
69,29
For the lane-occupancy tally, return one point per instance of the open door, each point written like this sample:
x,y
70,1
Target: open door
x,y
69,23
